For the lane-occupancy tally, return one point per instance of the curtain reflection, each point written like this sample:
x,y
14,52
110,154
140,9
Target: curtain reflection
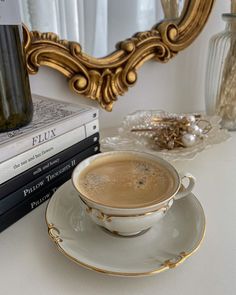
x,y
172,8
95,27
84,21
146,13
96,24
38,15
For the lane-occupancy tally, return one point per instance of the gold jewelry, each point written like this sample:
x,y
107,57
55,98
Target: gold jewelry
x,y
174,131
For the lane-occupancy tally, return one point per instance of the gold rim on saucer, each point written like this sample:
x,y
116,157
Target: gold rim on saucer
x,y
54,234
168,264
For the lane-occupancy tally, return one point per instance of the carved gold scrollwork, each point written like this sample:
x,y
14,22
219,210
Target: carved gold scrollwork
x,y
104,79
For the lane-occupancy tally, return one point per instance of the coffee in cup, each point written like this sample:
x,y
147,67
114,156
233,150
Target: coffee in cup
x,y
127,191
126,181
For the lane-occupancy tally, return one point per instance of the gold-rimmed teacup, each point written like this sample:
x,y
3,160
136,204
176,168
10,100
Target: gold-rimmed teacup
x,y
127,191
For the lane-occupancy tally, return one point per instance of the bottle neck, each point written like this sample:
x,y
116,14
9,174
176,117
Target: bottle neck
x,y
230,19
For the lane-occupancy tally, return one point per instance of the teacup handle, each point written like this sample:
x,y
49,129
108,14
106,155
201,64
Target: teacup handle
x,y
188,189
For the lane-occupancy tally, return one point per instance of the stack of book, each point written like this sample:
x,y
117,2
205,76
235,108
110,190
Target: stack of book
x,y
36,159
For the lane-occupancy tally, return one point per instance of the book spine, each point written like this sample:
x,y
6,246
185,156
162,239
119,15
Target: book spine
x,y
28,159
31,140
30,204
36,171
38,184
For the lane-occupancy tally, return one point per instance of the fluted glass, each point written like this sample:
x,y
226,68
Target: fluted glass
x,y
220,90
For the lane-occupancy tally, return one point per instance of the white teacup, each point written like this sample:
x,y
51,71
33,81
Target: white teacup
x,y
127,191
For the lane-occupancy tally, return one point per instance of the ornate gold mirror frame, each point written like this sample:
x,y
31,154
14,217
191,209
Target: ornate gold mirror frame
x,y
104,79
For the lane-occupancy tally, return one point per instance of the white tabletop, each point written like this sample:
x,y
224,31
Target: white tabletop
x,y
30,263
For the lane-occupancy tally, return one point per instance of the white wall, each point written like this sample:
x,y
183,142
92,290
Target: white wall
x,y
177,86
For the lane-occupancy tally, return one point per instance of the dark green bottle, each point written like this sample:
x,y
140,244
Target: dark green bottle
x,y
16,108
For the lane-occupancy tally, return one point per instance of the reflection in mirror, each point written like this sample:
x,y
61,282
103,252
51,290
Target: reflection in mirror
x,y
172,9
97,24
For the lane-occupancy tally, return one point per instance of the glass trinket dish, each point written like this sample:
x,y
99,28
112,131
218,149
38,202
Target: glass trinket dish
x,y
205,130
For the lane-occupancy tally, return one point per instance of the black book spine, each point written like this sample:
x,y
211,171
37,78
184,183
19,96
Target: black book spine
x,y
31,203
39,183
38,198
22,179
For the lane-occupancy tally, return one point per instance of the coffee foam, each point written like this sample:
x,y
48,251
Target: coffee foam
x,y
126,181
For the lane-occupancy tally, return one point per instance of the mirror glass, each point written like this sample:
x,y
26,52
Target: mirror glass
x,y
97,24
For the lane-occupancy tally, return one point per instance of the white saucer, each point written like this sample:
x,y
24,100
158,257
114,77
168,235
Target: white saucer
x,y
167,244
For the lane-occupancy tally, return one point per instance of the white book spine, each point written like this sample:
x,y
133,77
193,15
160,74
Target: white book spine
x,y
30,158
26,142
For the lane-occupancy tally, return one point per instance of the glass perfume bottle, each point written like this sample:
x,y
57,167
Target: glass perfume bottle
x,y
220,87
16,107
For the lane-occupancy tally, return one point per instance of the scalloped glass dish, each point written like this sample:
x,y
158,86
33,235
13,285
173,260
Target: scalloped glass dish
x,y
126,140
